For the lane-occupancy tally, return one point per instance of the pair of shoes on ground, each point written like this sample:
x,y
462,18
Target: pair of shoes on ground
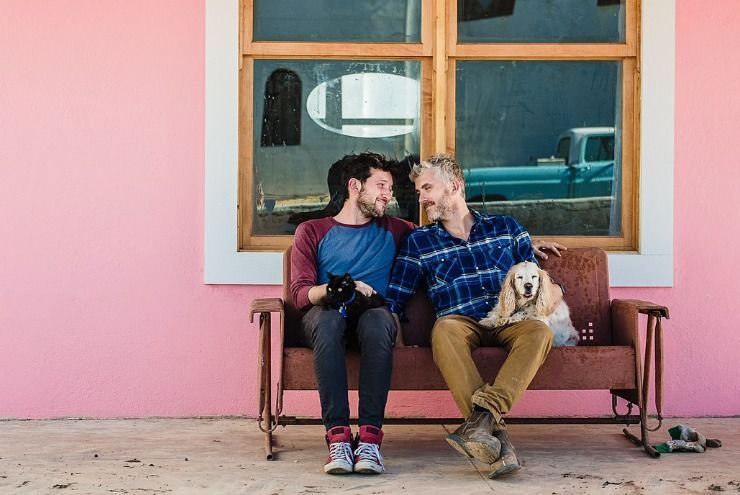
x,y
481,438
364,458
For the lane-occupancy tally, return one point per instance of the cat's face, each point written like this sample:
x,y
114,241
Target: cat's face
x,y
340,288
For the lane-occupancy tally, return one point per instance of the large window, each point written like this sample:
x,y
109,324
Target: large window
x,y
536,99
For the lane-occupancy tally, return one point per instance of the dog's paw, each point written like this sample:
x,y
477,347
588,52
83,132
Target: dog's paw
x,y
488,322
516,317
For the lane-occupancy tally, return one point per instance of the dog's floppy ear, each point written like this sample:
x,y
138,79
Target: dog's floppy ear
x,y
507,297
548,296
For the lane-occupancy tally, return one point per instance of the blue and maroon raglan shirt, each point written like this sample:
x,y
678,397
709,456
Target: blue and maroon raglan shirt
x,y
365,251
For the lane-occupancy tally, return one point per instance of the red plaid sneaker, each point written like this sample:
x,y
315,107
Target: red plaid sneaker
x,y
368,459
340,458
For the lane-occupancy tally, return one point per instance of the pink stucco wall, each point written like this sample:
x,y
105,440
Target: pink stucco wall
x,y
102,307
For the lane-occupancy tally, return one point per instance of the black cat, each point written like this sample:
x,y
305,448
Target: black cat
x,y
343,296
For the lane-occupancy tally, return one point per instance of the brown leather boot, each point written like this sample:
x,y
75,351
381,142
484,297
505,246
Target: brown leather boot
x,y
473,438
508,462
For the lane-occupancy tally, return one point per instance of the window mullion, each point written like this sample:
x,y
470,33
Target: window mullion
x,y
294,49
441,66
543,51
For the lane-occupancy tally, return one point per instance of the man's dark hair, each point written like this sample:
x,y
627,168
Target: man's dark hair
x,y
358,167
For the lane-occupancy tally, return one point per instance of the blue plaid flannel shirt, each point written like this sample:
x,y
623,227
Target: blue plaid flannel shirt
x,y
461,277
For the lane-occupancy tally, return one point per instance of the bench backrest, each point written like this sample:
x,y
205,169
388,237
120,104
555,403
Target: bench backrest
x,y
583,271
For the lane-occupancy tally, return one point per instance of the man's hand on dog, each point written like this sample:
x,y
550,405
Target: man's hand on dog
x,y
539,246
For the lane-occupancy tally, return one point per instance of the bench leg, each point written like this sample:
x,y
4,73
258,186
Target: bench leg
x,y
644,393
265,421
631,437
644,439
268,445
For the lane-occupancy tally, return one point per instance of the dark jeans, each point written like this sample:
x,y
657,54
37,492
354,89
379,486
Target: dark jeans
x,y
327,333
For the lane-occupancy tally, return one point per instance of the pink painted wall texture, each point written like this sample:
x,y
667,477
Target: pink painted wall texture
x,y
103,312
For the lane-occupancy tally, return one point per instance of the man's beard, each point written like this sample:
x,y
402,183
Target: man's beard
x,y
368,207
442,209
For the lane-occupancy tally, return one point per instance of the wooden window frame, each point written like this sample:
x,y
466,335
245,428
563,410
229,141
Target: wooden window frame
x,y
438,53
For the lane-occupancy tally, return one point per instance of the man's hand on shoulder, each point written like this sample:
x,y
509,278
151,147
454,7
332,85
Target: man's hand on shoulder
x,y
540,246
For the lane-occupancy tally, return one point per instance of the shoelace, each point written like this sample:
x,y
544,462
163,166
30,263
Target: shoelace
x,y
341,450
369,450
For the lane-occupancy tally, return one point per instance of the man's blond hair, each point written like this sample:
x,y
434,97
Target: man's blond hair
x,y
445,165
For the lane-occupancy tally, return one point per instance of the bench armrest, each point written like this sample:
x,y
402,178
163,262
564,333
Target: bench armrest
x,y
645,307
266,305
625,313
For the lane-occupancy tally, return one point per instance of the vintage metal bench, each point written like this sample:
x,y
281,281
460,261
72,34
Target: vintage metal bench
x,y
607,358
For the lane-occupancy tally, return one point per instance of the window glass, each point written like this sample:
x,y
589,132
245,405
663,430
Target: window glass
x,y
544,21
338,20
515,120
341,107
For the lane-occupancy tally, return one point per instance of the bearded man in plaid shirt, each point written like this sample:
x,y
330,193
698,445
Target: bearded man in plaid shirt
x,y
462,259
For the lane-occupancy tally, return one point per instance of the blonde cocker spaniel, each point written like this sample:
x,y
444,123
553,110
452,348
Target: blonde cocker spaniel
x,y
528,293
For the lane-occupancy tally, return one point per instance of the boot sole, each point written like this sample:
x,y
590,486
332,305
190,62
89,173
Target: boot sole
x,y
505,465
460,447
474,450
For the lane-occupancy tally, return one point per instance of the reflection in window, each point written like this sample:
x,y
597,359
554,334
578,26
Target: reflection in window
x,y
600,149
546,21
564,150
281,120
472,10
368,105
537,140
378,21
348,107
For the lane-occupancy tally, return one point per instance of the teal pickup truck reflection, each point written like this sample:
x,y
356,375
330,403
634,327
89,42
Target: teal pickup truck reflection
x,y
583,167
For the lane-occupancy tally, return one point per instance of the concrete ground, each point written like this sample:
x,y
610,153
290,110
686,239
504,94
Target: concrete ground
x,y
226,456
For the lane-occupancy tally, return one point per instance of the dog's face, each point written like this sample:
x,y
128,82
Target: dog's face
x,y
528,285
526,281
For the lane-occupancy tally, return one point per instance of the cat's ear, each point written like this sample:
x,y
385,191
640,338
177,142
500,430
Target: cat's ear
x,y
330,275
347,276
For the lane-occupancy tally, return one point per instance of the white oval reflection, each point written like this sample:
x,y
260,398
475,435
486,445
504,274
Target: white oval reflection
x,y
367,105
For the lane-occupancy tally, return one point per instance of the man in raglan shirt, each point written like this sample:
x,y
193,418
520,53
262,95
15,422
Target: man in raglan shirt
x,y
362,241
